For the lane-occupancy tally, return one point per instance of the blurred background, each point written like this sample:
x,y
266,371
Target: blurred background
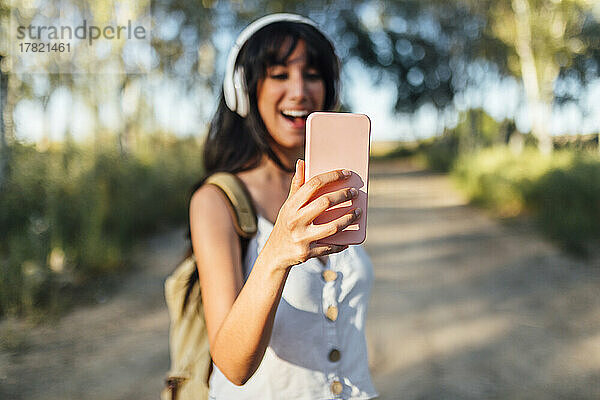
x,y
485,196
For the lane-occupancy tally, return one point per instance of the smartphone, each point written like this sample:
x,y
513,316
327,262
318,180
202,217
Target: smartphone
x,y
336,141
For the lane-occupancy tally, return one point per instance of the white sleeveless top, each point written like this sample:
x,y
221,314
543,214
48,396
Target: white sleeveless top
x,y
299,362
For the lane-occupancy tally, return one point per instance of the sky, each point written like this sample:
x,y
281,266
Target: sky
x,y
188,114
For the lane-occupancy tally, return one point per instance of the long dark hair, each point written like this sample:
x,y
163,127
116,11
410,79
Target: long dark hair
x,y
236,144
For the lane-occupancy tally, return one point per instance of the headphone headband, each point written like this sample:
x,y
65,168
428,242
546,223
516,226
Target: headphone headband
x,y
234,85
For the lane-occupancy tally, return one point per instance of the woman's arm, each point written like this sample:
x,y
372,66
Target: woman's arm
x,y
239,317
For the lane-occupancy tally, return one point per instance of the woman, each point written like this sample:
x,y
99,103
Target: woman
x,y
285,316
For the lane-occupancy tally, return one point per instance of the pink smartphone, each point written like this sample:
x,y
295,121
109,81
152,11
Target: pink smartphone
x,y
335,141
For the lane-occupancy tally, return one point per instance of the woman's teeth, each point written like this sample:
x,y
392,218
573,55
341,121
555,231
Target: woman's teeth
x,y
296,117
294,113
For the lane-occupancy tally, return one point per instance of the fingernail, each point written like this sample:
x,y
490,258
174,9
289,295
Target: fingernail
x,y
357,212
353,192
346,173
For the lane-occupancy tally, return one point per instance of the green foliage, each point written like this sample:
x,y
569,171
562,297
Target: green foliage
x,y
476,130
440,153
71,214
567,201
561,190
437,154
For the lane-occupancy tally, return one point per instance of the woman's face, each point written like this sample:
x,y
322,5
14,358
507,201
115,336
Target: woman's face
x,y
286,96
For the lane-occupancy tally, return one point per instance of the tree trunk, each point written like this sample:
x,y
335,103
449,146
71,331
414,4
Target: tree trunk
x,y
539,105
3,146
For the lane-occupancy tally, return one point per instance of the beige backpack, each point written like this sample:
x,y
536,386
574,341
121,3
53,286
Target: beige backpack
x,y
188,340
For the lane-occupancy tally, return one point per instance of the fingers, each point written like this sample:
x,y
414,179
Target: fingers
x,y
331,228
294,227
310,188
298,178
318,249
313,209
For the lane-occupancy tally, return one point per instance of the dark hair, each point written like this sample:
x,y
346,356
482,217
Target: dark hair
x,y
236,144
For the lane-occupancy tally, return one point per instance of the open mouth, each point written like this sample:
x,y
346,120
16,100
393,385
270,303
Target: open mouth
x,y
297,117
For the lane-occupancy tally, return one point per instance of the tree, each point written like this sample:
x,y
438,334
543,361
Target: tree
x,y
552,41
3,146
4,110
423,47
541,42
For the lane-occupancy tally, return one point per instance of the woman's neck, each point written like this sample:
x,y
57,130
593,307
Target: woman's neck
x,y
287,156
269,186
273,173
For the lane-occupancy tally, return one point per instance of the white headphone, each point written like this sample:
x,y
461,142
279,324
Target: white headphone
x,y
234,83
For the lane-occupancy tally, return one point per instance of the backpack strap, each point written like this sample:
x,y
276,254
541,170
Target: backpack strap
x,y
240,203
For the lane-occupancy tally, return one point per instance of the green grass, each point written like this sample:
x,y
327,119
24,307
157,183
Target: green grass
x,y
71,214
562,190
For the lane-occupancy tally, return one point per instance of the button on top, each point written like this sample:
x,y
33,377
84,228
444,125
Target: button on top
x,y
336,387
331,313
329,275
335,355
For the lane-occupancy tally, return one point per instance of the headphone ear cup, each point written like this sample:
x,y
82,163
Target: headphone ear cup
x,y
241,92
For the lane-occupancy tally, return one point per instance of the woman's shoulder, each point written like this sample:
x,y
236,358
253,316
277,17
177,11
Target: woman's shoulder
x,y
208,196
209,210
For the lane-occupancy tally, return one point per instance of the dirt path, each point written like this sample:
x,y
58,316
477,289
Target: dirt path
x,y
116,349
466,308
462,308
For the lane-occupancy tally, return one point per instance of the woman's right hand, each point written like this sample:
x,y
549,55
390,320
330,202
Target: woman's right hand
x,y
294,236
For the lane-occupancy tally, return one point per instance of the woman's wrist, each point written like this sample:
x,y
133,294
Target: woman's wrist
x,y
273,259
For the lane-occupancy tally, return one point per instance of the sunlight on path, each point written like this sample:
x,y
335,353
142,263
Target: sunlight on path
x,y
464,307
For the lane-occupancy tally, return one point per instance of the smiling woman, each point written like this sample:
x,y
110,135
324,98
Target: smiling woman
x,y
238,137
289,92
279,324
